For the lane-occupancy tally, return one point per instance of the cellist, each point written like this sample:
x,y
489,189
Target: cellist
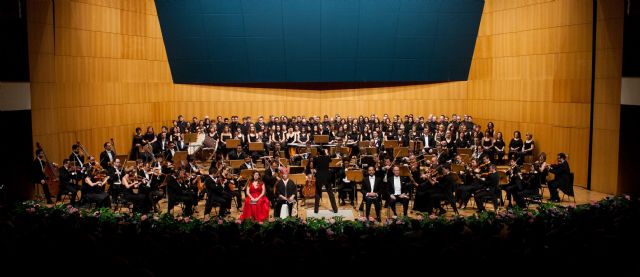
x,y
38,176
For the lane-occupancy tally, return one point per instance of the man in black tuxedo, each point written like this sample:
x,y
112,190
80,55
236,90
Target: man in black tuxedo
x,y
37,174
323,178
428,141
489,189
170,151
270,178
181,124
107,156
562,178
442,190
398,191
67,182
371,192
215,193
75,156
286,193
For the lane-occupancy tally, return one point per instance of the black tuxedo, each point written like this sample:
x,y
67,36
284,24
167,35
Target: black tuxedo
x,y
79,160
234,155
489,191
442,190
287,190
37,175
405,187
168,155
323,178
67,185
215,194
367,188
561,181
105,159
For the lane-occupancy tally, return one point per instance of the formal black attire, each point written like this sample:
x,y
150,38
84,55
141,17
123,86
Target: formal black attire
x,y
323,178
287,190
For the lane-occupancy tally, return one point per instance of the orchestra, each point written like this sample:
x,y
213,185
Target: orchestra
x,y
426,149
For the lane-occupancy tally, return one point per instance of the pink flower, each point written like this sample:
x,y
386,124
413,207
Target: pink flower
x,y
37,205
628,197
304,221
531,220
73,210
433,217
332,221
529,214
69,207
31,210
238,221
187,219
362,219
572,205
399,222
143,217
330,232
371,218
156,218
179,219
271,219
220,221
206,218
96,213
420,217
260,223
49,205
593,202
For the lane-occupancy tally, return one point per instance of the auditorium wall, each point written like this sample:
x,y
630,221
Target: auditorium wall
x,y
101,70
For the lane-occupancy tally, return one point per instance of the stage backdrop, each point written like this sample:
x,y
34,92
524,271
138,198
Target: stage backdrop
x,y
257,41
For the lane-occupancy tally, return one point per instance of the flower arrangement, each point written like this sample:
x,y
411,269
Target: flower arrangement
x,y
502,222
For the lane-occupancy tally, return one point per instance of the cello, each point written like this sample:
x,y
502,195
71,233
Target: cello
x,y
51,172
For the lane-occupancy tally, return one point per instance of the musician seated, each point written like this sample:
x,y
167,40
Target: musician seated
x,y
285,194
178,191
237,154
68,185
346,187
398,191
94,188
514,188
115,174
130,194
442,190
488,190
170,151
562,178
216,193
371,192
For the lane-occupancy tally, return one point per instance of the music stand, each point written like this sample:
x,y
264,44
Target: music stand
x,y
345,150
296,169
190,137
284,162
416,145
304,163
179,156
372,151
402,152
390,144
367,161
235,164
364,144
467,151
321,139
355,175
299,178
123,158
247,174
256,146
232,143
334,163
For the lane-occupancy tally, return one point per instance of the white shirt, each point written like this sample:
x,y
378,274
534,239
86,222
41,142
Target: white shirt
x,y
426,141
397,187
110,155
118,182
345,176
372,181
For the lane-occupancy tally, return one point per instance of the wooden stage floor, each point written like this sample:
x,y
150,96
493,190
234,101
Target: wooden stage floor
x,y
583,196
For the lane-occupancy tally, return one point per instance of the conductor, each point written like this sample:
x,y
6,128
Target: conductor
x,y
323,178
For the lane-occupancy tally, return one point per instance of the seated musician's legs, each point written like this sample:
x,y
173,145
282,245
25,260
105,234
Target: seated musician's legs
x,y
553,191
392,203
405,205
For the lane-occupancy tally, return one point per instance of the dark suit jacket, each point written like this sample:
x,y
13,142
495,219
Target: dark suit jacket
x,y
321,164
36,171
65,176
104,158
285,190
562,175
366,186
234,155
404,185
73,158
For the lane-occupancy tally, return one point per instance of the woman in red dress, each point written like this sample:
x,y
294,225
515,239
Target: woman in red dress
x,y
256,203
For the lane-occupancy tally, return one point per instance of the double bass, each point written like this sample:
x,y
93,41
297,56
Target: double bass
x,y
51,173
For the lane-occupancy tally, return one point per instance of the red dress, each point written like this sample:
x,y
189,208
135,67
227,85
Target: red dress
x,y
258,211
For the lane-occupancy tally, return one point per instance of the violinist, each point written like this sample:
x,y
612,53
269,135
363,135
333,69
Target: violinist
x,y
398,191
130,194
471,183
94,184
215,193
230,187
107,156
489,189
38,176
514,188
170,151
562,178
115,173
68,177
371,192
441,190
75,157
177,190
346,187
